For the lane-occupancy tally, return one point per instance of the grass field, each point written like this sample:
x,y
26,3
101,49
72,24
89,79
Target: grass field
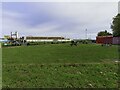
x,y
60,65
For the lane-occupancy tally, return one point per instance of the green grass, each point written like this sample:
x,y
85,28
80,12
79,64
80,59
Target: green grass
x,y
59,54
60,66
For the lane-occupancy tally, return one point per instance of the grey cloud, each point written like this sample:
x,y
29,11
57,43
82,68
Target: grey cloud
x,y
62,19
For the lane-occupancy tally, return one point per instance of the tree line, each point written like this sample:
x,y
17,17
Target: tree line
x,y
115,28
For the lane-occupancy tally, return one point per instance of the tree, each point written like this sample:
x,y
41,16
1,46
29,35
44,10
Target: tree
x,y
116,25
104,33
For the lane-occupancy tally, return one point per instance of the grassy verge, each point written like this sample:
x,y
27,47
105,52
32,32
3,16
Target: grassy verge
x,y
64,75
48,66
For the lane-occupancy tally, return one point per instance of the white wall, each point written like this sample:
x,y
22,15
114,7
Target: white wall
x,y
46,40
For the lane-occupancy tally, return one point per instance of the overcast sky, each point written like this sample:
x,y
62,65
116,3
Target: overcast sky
x,y
67,19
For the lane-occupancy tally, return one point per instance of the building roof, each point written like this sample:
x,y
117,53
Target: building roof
x,y
45,38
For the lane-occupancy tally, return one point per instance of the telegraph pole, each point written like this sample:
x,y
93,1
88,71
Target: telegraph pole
x,y
86,33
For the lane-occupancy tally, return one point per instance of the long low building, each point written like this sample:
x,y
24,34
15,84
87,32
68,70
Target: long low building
x,y
107,40
47,39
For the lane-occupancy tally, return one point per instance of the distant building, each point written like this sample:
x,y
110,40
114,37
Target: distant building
x,y
6,36
107,40
47,39
104,39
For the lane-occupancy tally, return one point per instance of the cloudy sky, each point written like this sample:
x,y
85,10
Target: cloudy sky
x,y
67,19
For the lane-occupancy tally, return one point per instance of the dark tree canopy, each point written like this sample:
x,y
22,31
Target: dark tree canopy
x,y
104,33
116,25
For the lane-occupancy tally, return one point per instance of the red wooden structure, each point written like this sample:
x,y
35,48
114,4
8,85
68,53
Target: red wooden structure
x,y
104,39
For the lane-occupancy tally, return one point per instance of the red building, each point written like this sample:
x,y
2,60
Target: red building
x,y
107,40
104,39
